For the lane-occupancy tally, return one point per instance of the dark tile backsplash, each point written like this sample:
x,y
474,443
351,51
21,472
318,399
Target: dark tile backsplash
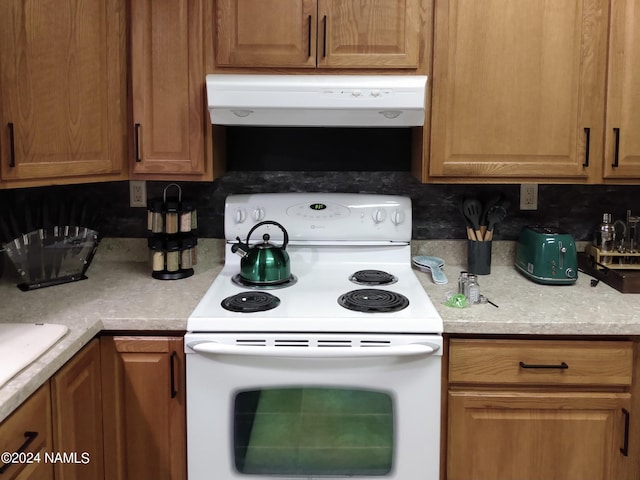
x,y
318,149
436,215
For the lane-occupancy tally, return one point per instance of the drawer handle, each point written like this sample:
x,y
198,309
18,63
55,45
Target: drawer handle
x,y
30,437
616,150
625,447
12,147
324,36
138,141
309,37
172,359
587,138
561,366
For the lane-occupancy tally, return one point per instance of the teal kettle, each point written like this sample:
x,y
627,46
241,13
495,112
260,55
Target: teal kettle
x,y
264,263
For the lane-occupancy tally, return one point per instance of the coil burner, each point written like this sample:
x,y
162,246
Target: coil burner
x,y
241,282
370,300
250,302
372,277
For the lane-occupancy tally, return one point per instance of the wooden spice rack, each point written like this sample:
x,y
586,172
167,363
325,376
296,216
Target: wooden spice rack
x,y
619,261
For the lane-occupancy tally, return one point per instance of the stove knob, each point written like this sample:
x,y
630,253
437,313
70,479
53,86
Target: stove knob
x,y
258,214
379,216
240,215
397,217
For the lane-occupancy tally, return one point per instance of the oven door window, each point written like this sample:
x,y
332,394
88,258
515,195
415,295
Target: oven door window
x,y
313,431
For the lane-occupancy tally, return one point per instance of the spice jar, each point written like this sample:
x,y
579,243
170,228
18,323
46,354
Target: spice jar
x,y
187,252
186,221
155,216
173,255
473,295
156,254
157,260
171,217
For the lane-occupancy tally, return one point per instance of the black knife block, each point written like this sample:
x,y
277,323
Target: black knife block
x,y
173,240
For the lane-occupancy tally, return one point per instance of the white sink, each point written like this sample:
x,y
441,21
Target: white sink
x,y
22,343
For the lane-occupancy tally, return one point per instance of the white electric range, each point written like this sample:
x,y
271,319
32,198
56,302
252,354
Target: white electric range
x,y
322,334
331,237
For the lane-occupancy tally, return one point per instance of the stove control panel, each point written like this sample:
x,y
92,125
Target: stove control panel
x,y
318,211
339,217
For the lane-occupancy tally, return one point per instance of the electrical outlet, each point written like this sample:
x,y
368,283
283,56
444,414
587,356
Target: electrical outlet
x,y
137,193
529,196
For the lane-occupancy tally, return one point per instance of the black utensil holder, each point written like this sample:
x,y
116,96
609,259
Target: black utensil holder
x,y
173,239
479,257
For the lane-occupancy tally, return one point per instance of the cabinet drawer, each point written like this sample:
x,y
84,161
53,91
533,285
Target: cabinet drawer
x,y
27,433
536,362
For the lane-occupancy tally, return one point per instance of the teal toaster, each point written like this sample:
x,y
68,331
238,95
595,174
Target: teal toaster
x,y
547,255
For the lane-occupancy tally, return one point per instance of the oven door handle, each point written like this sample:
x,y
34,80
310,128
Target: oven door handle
x,y
410,350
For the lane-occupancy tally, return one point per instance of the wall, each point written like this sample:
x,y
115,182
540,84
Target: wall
x,y
435,207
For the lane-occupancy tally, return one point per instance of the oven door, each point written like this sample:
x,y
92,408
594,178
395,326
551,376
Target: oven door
x,y
263,406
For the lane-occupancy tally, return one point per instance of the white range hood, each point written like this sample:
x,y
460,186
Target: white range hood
x,y
317,100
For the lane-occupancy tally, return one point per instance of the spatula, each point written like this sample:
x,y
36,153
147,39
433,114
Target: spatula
x,y
472,210
434,265
495,215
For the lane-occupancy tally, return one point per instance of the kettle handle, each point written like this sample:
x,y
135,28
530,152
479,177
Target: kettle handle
x,y
285,241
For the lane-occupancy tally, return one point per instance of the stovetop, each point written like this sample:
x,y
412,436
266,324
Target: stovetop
x,y
311,305
333,236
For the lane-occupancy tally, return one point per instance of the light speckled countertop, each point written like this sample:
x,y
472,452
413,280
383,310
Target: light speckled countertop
x,y
527,308
120,295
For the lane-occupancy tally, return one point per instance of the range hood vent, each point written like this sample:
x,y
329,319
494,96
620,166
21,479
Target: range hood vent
x,y
317,100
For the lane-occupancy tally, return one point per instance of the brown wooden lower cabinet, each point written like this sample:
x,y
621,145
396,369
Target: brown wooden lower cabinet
x,y
535,435
539,409
27,433
144,408
76,395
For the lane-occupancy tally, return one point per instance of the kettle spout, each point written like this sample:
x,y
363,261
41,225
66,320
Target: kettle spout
x,y
240,248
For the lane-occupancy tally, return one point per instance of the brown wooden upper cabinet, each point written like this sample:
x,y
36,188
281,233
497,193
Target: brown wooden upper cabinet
x,y
622,131
519,89
318,33
170,132
62,90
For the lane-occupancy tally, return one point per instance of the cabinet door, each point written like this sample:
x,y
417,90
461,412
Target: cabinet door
x,y
27,431
532,436
167,71
377,33
622,140
76,394
63,90
144,408
518,89
266,33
